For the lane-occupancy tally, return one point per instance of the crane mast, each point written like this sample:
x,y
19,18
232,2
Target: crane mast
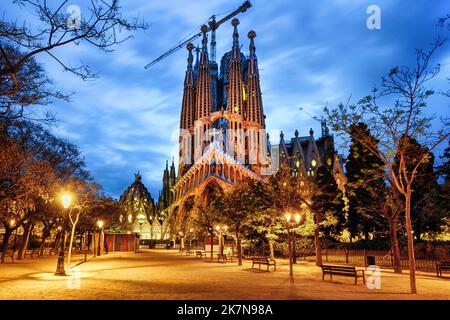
x,y
213,25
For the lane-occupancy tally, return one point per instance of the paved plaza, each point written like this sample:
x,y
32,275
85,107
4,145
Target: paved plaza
x,y
166,274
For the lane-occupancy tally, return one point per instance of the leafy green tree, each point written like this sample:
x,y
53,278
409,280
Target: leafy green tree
x,y
237,206
366,188
426,215
327,204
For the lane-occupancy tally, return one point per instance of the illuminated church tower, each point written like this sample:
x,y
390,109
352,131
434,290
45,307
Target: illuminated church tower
x,y
234,123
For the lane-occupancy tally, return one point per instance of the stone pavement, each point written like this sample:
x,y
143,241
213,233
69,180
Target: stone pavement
x,y
166,274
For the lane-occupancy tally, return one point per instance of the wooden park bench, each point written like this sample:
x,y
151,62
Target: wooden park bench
x,y
222,258
49,251
442,265
8,254
345,271
32,253
264,261
201,253
160,246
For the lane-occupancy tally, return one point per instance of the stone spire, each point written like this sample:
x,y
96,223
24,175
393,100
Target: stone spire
x,y
313,156
204,102
166,186
188,103
236,89
254,101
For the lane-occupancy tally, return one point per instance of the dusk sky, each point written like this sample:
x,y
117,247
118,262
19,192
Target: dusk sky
x,y
310,53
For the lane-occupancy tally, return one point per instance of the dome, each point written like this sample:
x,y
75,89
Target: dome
x,y
137,201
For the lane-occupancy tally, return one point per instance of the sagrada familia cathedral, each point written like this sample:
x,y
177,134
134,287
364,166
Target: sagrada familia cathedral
x,y
223,140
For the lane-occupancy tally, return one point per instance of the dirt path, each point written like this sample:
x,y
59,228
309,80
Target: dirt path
x,y
165,274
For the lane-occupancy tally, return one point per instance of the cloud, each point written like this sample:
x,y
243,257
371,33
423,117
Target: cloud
x,y
310,53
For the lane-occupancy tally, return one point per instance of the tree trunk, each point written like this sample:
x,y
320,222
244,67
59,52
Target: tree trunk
x,y
294,251
394,245
57,241
271,251
410,238
239,245
212,245
45,234
69,254
6,236
27,228
318,247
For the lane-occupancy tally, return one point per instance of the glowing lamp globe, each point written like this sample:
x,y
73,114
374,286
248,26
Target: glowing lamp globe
x,y
66,199
287,216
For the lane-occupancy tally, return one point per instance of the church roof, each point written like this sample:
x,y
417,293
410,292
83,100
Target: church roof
x,y
136,190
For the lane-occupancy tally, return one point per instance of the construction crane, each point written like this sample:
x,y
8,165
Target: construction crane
x,y
213,25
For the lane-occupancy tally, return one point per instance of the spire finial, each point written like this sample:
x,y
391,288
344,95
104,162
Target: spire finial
x,y
311,132
167,164
281,135
296,133
190,58
251,36
204,29
235,23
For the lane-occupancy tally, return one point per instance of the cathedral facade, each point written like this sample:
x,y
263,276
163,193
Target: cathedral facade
x,y
223,139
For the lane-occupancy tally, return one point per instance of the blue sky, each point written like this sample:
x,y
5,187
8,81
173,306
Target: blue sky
x,y
310,53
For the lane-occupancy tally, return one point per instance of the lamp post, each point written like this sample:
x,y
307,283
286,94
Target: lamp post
x,y
100,231
12,224
211,234
291,221
191,235
221,230
66,200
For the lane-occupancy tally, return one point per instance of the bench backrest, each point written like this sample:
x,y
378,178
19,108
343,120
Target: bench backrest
x,y
265,259
340,269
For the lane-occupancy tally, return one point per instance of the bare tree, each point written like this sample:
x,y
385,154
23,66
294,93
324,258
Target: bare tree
x,y
103,27
404,91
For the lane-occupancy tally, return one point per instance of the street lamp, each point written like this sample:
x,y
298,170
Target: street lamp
x,y
211,235
181,234
100,230
66,200
191,235
291,221
221,230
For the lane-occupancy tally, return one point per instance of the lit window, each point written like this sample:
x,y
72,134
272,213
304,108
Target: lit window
x,y
313,162
329,161
297,164
130,218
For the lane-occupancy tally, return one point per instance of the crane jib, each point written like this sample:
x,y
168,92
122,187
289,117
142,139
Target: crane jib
x,y
242,8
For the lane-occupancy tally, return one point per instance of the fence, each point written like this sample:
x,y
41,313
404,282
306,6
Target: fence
x,y
383,258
